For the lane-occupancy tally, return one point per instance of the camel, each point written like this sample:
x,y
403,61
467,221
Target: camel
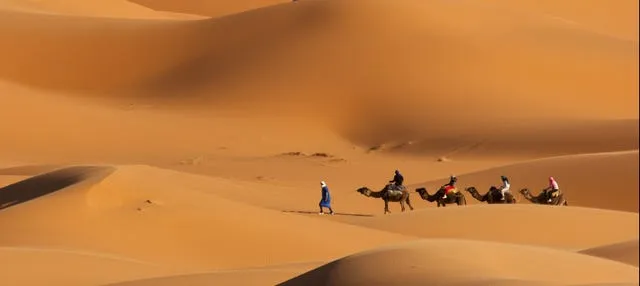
x,y
453,198
394,196
542,198
492,196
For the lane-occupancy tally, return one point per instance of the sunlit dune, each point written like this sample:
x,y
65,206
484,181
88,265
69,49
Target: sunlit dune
x,y
574,228
446,262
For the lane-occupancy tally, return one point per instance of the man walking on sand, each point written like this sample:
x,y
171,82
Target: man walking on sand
x,y
326,198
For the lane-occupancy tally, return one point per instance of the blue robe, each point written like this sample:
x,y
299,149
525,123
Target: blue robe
x,y
326,198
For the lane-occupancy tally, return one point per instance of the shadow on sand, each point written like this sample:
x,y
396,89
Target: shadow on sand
x,y
336,213
46,183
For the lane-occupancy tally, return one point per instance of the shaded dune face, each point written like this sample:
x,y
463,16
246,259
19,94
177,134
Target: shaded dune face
x,y
47,183
626,252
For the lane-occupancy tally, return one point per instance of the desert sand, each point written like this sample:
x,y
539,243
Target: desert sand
x,y
155,142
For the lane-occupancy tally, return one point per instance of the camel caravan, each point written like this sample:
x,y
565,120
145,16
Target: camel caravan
x,y
395,191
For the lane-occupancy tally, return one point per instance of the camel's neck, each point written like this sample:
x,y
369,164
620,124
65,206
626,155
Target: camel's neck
x,y
425,195
476,194
375,194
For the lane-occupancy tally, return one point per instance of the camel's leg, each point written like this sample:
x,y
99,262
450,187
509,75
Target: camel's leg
x,y
386,207
409,203
402,205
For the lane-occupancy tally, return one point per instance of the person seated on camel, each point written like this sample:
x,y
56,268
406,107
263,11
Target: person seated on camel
x,y
505,186
552,190
449,186
397,181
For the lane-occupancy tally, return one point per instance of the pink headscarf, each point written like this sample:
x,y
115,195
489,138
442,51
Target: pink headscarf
x,y
552,183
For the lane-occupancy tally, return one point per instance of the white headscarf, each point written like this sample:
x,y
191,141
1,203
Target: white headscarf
x,y
323,184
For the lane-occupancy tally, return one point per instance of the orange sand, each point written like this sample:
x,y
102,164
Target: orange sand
x,y
153,142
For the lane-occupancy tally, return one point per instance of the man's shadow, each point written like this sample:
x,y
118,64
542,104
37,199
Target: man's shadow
x,y
335,213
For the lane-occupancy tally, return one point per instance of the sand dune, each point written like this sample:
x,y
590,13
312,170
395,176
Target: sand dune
x,y
626,252
208,8
519,140
130,213
572,227
216,62
603,180
207,66
445,262
85,53
45,184
256,276
620,20
100,8
34,266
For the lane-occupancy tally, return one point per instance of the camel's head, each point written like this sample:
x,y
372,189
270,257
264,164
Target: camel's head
x,y
524,191
364,190
471,189
421,190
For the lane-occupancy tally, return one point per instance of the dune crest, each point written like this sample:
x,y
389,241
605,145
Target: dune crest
x,y
99,8
626,251
50,182
445,262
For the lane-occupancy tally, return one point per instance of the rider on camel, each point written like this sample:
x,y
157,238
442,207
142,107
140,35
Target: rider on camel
x,y
505,186
397,180
551,189
449,186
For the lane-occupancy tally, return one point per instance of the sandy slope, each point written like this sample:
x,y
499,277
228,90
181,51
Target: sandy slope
x,y
445,262
253,276
99,8
626,251
602,180
172,219
619,19
412,66
200,62
208,8
572,227
38,266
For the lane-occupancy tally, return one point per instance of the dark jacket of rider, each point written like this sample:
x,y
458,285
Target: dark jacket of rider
x,y
398,179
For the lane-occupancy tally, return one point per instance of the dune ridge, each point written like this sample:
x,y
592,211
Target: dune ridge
x,y
434,261
626,251
101,9
211,9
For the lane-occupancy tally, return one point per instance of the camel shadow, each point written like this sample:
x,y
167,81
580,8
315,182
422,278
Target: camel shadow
x,y
336,213
44,184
